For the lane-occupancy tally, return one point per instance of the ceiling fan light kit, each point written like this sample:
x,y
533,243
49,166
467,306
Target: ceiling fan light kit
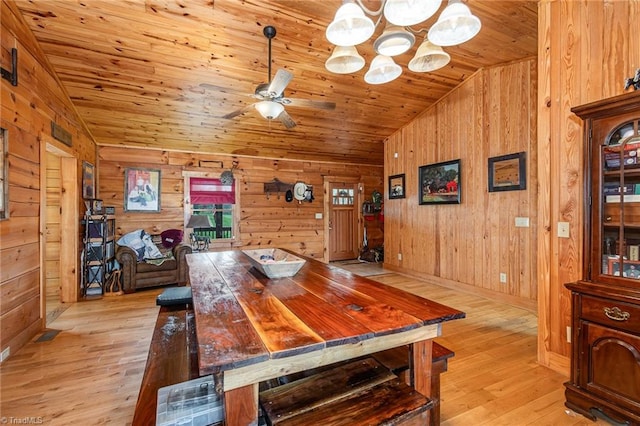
x,y
269,109
455,25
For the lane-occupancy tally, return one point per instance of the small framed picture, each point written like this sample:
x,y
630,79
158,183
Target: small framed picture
x,y
141,190
88,181
439,183
396,186
508,172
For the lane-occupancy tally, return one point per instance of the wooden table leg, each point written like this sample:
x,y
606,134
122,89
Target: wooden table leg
x,y
422,358
241,406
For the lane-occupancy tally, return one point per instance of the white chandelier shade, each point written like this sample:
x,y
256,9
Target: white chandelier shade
x,y
455,25
382,70
410,12
344,60
429,57
350,26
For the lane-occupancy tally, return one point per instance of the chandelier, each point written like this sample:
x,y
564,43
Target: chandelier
x,y
351,26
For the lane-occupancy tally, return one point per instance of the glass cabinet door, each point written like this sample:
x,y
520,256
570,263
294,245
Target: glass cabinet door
x,y
620,198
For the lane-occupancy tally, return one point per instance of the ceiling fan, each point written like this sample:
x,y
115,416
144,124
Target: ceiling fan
x,y
270,96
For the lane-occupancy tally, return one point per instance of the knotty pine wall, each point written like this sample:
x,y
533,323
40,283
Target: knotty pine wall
x,y
597,49
26,112
467,246
264,221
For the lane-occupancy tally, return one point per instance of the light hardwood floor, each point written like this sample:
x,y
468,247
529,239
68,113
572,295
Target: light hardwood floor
x,y
91,371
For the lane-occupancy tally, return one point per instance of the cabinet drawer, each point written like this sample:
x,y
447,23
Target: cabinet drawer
x,y
595,310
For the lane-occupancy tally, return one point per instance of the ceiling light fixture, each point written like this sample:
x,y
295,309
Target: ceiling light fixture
x,y
394,41
351,27
269,109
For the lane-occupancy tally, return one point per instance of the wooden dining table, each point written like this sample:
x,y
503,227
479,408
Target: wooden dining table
x,y
251,328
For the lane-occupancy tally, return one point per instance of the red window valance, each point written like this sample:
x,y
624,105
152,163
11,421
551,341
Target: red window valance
x,y
211,191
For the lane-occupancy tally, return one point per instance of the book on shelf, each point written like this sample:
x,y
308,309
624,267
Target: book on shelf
x,y
628,198
613,189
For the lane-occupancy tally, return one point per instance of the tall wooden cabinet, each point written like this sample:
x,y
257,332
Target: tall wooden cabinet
x,y
605,358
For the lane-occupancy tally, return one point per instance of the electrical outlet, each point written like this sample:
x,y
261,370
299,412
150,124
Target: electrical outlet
x,y
399,256
503,277
568,334
5,354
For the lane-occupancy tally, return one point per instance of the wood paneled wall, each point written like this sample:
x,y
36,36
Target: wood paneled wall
x,y
26,112
264,221
468,246
52,219
597,49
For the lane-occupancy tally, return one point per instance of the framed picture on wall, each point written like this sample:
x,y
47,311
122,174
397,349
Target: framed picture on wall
x,y
396,186
141,190
88,181
439,183
508,172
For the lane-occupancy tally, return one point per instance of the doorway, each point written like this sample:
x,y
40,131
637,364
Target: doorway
x,y
59,230
343,225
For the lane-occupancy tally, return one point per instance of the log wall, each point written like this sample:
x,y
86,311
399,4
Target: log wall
x,y
468,245
265,221
26,112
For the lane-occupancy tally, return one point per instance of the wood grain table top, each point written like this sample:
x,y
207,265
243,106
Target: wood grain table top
x,y
244,318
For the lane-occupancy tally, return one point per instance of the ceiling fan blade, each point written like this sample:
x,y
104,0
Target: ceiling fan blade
x,y
212,87
286,119
311,103
238,112
279,83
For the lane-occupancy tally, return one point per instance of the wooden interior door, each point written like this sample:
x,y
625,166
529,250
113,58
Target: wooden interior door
x,y
343,221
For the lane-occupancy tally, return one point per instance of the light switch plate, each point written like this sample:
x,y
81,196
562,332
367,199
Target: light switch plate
x,y
563,229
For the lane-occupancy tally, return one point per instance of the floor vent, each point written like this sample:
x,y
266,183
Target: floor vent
x,y
48,336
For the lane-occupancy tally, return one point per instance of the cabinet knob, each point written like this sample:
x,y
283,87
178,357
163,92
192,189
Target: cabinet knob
x,y
616,314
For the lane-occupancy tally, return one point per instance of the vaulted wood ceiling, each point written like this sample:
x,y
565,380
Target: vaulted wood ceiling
x,y
134,71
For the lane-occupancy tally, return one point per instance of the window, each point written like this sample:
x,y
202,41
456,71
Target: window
x,y
4,176
209,197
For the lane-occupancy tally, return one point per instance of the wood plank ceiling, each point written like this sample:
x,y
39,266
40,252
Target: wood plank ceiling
x,y
134,71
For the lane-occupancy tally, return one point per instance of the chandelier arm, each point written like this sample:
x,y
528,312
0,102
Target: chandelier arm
x,y
416,32
372,12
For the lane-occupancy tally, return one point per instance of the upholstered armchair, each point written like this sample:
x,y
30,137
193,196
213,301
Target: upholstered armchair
x,y
142,274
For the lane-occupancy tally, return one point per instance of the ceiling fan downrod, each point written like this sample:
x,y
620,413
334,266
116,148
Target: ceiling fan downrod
x,y
269,32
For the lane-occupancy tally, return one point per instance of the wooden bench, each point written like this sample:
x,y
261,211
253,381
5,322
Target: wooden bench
x,y
360,392
397,361
172,359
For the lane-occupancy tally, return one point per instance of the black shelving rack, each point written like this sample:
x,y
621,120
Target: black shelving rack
x,y
99,253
